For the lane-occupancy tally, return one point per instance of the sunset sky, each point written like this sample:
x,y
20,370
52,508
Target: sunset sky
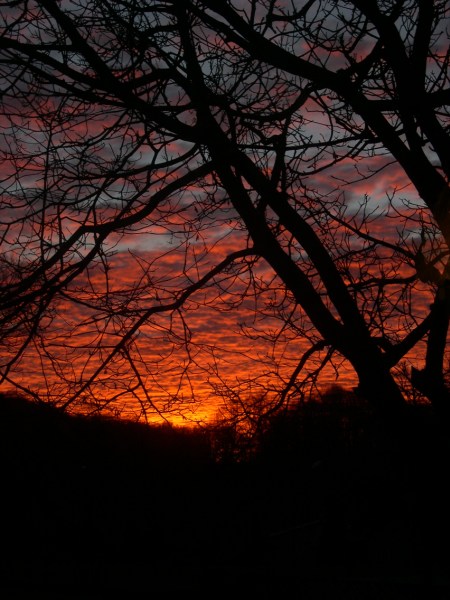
x,y
228,344
71,165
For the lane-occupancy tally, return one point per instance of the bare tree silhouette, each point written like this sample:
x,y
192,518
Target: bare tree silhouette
x,y
166,159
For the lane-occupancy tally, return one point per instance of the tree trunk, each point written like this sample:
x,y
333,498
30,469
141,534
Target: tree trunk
x,y
430,380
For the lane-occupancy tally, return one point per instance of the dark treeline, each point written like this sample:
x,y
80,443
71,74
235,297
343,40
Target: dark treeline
x,y
324,504
302,434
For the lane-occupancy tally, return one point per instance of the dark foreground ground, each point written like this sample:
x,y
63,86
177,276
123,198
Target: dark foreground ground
x,y
330,509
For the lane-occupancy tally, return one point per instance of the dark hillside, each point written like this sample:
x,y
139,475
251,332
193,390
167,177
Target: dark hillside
x,y
67,440
327,507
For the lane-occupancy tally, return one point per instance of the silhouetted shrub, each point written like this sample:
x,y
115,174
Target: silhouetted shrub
x,y
316,428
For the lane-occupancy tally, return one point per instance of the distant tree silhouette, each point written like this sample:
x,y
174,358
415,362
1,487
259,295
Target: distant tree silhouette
x,y
160,158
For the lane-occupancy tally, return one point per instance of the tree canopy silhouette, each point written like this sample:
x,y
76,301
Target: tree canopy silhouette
x,y
165,159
